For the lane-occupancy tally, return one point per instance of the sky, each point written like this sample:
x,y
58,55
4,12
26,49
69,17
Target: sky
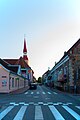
x,y
50,28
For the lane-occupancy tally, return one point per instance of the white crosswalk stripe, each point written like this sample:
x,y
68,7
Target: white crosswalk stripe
x,y
20,114
38,111
38,92
55,93
31,93
43,93
55,112
49,93
2,114
73,113
78,107
26,93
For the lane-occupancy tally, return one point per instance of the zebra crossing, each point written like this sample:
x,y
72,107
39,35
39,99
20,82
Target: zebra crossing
x,y
39,111
41,103
49,93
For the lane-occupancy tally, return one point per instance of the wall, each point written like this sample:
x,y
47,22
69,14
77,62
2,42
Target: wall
x,y
16,82
9,81
60,74
70,64
4,80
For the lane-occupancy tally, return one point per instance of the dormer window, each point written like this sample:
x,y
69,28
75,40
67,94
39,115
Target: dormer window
x,y
70,51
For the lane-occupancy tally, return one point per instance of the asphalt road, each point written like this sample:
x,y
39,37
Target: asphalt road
x,y
40,104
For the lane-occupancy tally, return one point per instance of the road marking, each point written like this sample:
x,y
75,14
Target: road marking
x,y
43,93
38,113
31,93
73,113
78,107
21,103
45,104
49,93
13,103
37,92
20,114
2,114
50,103
26,93
31,103
35,104
40,103
59,103
55,93
55,113
67,104
55,104
25,104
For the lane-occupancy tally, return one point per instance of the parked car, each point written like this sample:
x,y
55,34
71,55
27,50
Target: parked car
x,y
33,86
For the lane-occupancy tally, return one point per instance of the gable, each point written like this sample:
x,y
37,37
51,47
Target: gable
x,y
3,68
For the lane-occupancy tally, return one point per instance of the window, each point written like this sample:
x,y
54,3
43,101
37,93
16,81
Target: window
x,y
70,52
3,76
4,83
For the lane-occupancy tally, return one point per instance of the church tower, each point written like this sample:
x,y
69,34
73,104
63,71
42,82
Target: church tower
x,y
25,52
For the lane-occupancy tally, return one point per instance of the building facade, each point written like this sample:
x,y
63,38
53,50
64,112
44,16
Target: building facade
x,y
66,73
10,77
15,73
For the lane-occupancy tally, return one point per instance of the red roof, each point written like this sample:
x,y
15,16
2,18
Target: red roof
x,y
19,61
25,57
12,68
22,62
11,61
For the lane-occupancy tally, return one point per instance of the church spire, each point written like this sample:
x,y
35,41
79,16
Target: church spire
x,y
25,52
24,49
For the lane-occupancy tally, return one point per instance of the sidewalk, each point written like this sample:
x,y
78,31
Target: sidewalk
x,y
74,96
19,91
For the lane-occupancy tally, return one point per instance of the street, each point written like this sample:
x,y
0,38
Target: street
x,y
40,104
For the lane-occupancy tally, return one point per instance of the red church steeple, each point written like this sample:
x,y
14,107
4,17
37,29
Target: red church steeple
x,y
25,52
24,49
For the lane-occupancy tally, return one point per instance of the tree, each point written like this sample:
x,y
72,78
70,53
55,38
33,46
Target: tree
x,y
40,80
